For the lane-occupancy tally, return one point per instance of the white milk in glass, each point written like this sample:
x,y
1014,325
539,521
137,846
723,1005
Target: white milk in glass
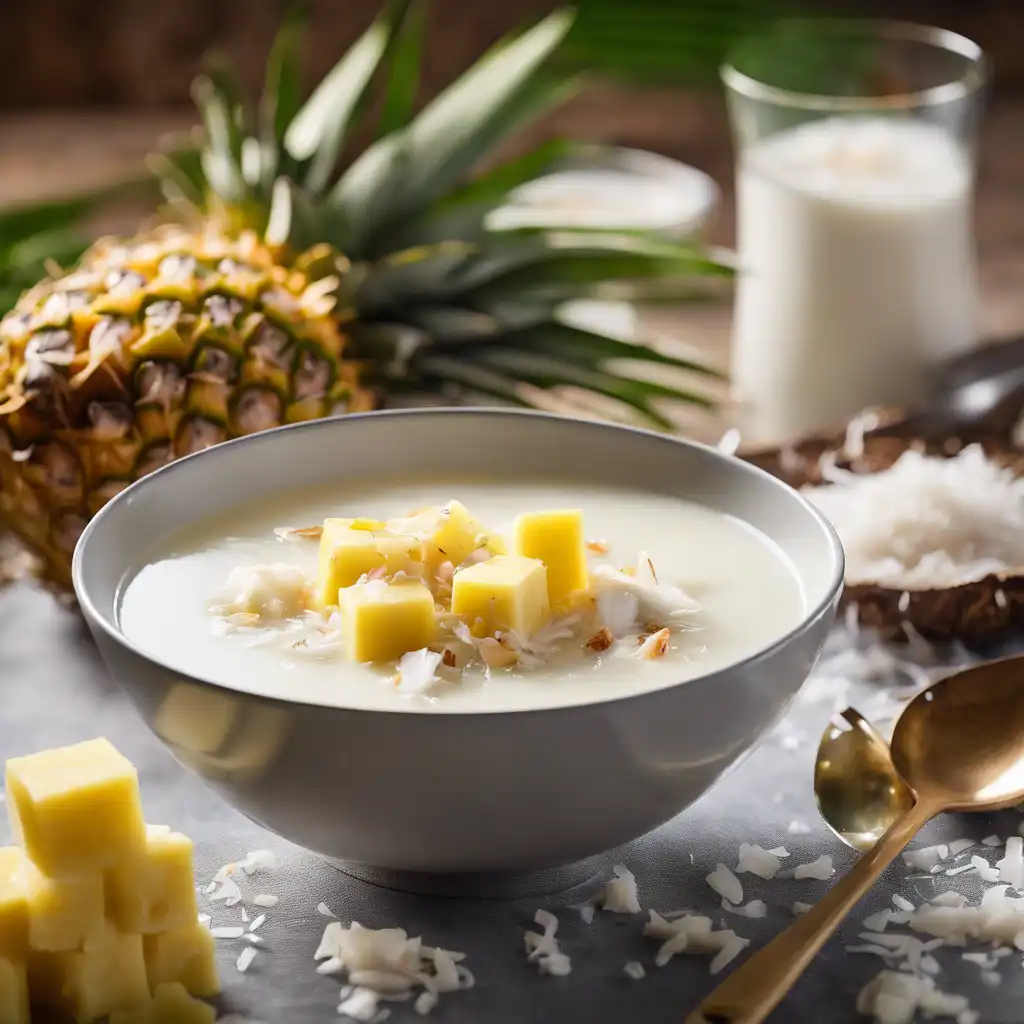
x,y
857,269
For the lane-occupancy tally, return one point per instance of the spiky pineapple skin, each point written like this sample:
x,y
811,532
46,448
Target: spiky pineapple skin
x,y
152,349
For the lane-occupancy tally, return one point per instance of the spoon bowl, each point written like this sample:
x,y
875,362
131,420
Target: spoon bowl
x,y
858,790
960,743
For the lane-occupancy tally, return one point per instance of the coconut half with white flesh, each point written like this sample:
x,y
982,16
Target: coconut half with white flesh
x,y
933,528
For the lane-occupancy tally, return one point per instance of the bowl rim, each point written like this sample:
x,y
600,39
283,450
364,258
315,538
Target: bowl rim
x,y
109,627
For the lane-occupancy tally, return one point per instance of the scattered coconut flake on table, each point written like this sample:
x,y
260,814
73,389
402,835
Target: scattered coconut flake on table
x,y
1011,867
992,840
227,933
228,892
877,922
985,870
926,858
958,846
693,935
322,908
754,860
820,869
257,923
754,909
726,884
386,964
801,908
798,828
619,896
927,521
266,900
258,860
245,959
634,970
543,948
893,997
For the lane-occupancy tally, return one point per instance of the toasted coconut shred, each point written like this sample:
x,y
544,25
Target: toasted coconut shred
x,y
926,522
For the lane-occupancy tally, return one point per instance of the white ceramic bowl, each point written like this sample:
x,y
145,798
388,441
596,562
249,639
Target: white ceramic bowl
x,y
455,792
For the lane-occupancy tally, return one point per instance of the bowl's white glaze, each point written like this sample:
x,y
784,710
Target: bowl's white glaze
x,y
460,793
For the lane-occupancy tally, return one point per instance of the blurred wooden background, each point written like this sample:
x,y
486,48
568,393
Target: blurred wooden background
x,y
87,88
77,53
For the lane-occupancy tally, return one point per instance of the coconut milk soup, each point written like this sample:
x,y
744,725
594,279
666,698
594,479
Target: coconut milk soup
x,y
461,596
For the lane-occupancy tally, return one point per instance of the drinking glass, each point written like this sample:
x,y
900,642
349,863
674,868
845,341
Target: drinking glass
x,y
856,144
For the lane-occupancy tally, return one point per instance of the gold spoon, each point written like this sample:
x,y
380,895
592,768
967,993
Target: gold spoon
x,y
959,745
859,792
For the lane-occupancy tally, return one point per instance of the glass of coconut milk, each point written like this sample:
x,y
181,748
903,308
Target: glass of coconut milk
x,y
855,168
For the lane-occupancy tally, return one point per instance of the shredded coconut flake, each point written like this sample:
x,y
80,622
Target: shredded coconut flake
x,y
726,884
820,869
927,858
927,521
693,935
267,900
227,933
634,970
620,894
1011,867
387,964
801,908
542,947
245,959
756,861
322,908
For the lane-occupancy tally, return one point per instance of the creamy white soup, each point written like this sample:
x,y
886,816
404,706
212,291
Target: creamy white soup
x,y
675,591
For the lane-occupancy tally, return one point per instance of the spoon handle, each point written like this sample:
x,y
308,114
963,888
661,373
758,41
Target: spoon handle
x,y
755,988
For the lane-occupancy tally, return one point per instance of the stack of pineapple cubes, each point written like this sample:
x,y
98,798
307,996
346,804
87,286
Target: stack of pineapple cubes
x,y
382,619
98,910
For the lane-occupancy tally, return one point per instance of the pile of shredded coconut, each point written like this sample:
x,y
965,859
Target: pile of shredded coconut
x,y
926,522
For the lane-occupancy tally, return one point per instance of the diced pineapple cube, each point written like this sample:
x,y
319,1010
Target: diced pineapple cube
x,y
350,548
62,912
506,592
13,907
184,955
171,1005
75,809
556,538
14,1008
107,974
155,890
382,620
459,535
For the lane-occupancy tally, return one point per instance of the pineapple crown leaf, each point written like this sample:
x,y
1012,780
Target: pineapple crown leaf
x,y
316,134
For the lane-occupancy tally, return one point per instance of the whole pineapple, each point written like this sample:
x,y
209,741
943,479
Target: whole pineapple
x,y
293,283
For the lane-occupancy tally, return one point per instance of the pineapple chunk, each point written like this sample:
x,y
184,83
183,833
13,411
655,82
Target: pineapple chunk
x,y
13,909
350,548
556,538
507,592
459,535
185,956
62,912
171,1005
155,891
382,621
107,974
75,809
14,1007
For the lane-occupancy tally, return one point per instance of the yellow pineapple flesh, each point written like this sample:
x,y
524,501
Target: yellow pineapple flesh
x,y
150,350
